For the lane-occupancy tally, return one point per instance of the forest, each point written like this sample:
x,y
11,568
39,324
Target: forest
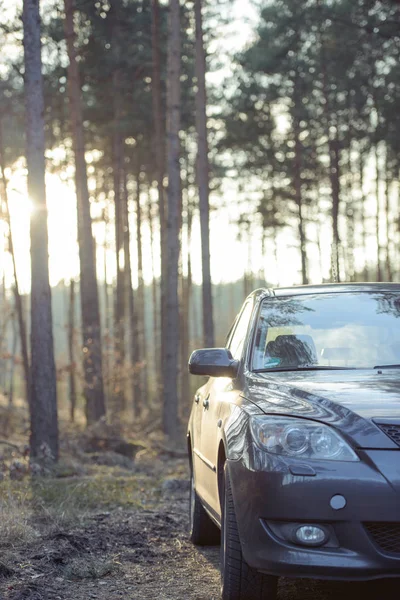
x,y
159,160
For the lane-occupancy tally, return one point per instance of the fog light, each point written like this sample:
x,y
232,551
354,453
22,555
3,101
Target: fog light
x,y
311,535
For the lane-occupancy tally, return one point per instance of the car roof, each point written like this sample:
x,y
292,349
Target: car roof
x,y
326,288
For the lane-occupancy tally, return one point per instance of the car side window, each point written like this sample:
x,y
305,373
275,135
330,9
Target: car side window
x,y
237,340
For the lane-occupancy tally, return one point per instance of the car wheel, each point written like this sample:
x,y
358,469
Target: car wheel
x,y
238,580
203,532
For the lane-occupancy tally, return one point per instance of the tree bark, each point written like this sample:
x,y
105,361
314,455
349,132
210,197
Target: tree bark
x,y
107,311
71,351
389,269
185,318
132,313
159,151
119,401
141,321
203,178
335,186
362,212
156,329
333,151
377,219
43,396
171,346
14,345
299,200
90,310
17,295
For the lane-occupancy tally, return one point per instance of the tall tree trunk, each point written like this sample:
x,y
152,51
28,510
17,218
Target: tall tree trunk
x,y
334,173
3,323
90,309
203,177
299,199
43,396
71,351
185,317
141,304
362,212
132,313
17,295
14,346
171,345
333,151
159,151
107,311
156,331
377,219
389,269
350,203
119,403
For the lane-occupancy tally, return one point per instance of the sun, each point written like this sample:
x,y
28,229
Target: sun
x,y
63,250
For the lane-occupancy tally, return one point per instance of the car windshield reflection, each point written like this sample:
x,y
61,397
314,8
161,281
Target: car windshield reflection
x,y
328,331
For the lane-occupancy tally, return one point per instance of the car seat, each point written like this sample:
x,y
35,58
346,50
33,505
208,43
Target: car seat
x,y
292,350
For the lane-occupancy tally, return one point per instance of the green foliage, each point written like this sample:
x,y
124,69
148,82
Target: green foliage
x,y
318,86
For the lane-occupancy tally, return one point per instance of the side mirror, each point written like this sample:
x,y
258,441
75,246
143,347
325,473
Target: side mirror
x,y
215,362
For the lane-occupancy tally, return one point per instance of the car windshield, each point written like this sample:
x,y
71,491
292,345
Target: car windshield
x,y
330,330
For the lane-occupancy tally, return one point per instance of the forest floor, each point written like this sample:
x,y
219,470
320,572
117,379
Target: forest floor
x,y
106,527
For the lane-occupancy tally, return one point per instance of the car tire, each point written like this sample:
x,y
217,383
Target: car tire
x,y
238,580
203,531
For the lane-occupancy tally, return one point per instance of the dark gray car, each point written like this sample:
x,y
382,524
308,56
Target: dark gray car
x,y
294,441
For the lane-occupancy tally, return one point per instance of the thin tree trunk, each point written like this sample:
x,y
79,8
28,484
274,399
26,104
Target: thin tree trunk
x,y
185,317
118,150
43,396
299,201
17,295
334,171
362,212
171,345
350,203
71,351
333,151
90,309
350,219
203,178
107,316
156,332
389,269
14,344
377,220
159,151
141,304
186,283
3,324
276,256
132,313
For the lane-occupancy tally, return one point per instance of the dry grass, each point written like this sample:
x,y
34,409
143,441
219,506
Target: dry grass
x,y
37,505
15,518
90,568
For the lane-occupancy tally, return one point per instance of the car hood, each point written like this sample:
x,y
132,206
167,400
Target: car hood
x,y
349,400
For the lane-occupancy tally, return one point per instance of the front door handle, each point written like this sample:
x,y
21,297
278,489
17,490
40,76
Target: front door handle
x,y
197,398
206,401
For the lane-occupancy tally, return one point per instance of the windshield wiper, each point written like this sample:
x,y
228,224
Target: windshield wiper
x,y
387,367
305,368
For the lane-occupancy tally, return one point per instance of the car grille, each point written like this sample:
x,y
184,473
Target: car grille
x,y
385,535
392,430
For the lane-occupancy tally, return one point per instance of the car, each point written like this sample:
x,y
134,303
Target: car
x,y
294,439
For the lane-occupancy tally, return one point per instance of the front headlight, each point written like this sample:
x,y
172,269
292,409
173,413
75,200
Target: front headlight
x,y
300,438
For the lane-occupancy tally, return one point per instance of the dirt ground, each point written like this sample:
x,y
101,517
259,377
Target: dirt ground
x,y
134,550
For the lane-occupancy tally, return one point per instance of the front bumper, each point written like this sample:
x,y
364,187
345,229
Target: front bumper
x,y
274,494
